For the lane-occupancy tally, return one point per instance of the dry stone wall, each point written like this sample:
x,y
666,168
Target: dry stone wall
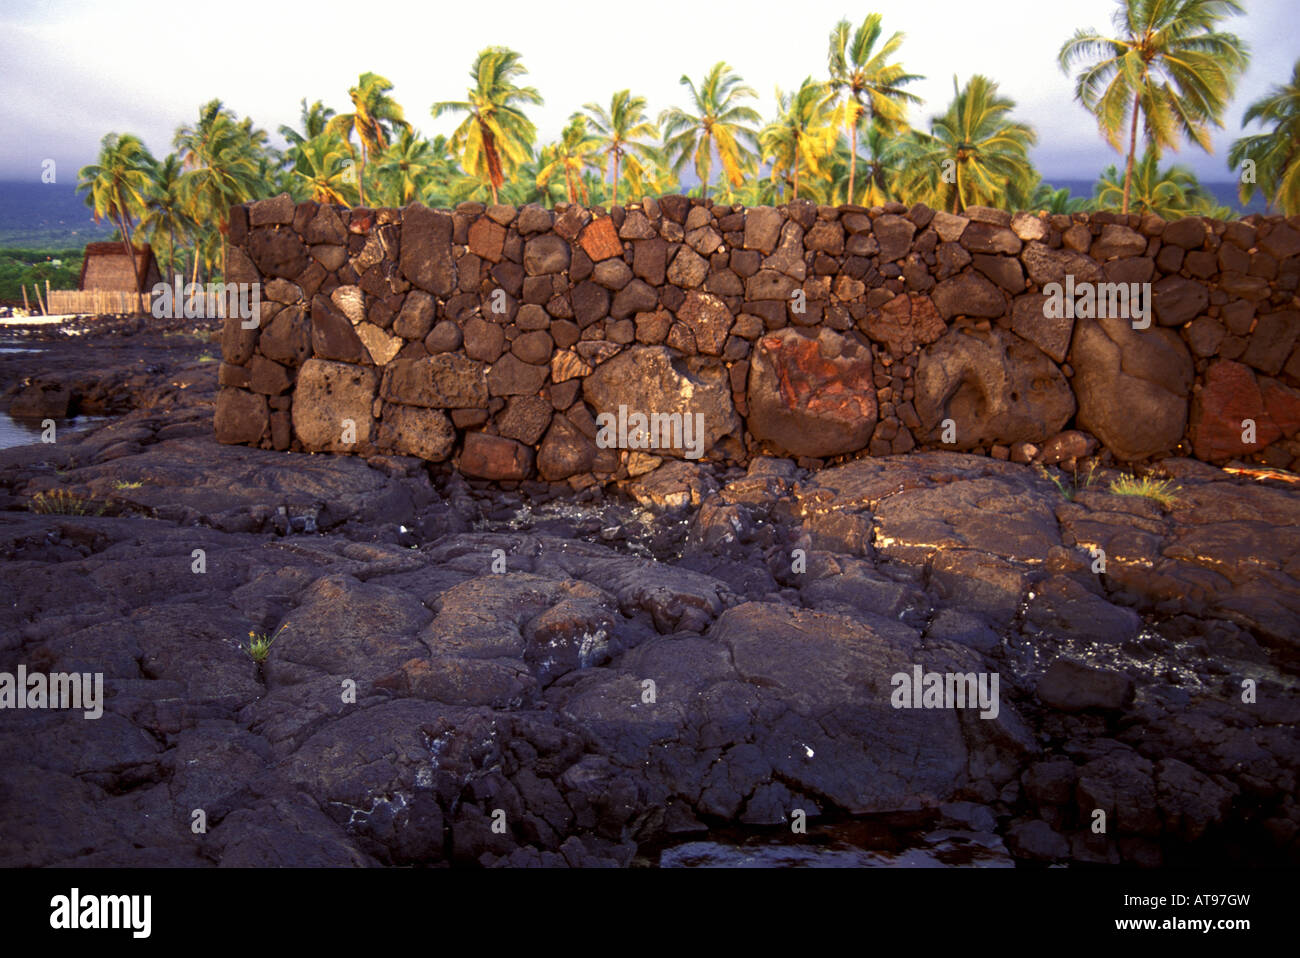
x,y
499,337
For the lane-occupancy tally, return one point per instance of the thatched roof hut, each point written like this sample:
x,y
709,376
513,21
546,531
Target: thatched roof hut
x,y
105,266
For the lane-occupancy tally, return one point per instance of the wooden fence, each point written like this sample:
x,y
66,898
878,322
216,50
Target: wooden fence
x,y
94,302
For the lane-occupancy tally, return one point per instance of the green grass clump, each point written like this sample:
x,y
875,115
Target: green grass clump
x,y
1077,483
259,644
123,484
207,358
61,502
1162,491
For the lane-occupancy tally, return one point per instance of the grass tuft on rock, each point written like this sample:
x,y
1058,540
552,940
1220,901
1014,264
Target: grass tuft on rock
x,y
62,502
259,644
1162,491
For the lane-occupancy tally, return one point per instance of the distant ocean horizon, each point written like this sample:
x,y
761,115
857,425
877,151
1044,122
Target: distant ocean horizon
x,y
1224,192
55,216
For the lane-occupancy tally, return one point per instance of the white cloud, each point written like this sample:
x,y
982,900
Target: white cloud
x,y
75,70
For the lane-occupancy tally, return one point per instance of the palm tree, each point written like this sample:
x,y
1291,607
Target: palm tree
x,y
974,154
1051,200
803,134
164,212
872,87
495,137
877,157
118,187
572,155
620,128
719,124
375,116
222,167
647,172
442,173
1170,192
1276,154
403,168
313,118
323,164
1167,63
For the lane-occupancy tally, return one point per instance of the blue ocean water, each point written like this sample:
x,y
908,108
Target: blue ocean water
x,y
1225,193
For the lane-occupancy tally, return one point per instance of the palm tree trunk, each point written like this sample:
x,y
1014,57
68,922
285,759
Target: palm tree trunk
x,y
130,253
853,152
796,171
361,175
615,200
1132,149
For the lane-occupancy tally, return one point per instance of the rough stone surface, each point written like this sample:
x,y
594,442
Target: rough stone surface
x,y
333,403
1132,386
994,386
811,396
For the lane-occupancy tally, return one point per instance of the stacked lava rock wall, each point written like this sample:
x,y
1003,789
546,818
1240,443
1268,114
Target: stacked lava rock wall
x,y
496,336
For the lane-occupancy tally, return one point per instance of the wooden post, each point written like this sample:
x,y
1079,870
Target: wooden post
x,y
47,291
26,305
37,289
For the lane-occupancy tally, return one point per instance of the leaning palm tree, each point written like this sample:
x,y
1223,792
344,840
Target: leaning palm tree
x,y
117,188
1168,63
1169,192
1276,154
974,154
719,124
802,136
374,118
573,155
872,87
621,129
495,137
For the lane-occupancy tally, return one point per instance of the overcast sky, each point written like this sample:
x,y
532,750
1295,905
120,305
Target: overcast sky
x,y
74,71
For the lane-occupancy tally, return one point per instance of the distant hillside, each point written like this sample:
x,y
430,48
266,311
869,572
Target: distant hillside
x,y
46,216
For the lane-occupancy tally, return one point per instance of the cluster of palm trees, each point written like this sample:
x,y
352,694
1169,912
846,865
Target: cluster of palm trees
x,y
1163,76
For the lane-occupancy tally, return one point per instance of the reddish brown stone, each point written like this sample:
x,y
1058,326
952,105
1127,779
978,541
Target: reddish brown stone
x,y
1229,396
1282,403
486,239
811,396
600,240
495,457
905,322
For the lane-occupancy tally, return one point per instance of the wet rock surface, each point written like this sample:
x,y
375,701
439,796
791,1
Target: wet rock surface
x,y
673,669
